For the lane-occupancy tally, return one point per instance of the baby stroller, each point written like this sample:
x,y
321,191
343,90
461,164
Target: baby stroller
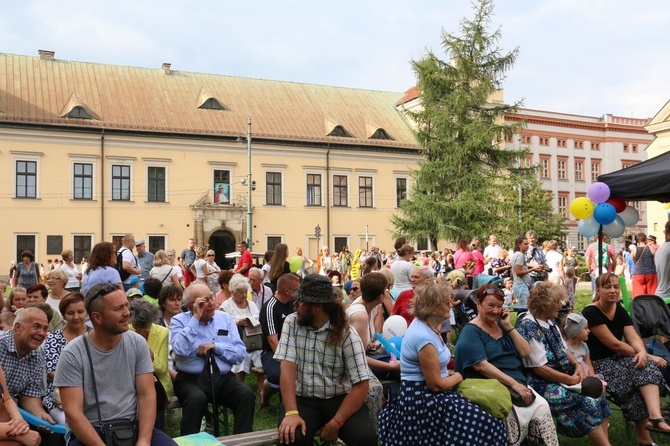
x,y
467,309
651,317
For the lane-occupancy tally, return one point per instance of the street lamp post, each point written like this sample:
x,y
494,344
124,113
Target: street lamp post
x,y
518,148
250,183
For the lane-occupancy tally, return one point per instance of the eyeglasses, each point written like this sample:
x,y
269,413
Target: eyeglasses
x,y
210,255
354,288
105,290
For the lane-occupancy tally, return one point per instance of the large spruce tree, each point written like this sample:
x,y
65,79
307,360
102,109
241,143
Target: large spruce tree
x,y
461,187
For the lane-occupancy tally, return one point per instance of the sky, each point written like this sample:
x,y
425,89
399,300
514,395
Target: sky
x,y
590,57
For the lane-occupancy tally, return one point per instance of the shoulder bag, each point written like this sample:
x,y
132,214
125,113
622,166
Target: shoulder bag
x,y
489,394
117,432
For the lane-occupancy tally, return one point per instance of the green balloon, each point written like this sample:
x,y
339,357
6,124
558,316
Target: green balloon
x,y
295,264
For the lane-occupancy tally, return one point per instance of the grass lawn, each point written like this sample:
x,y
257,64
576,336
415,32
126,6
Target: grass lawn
x,y
617,432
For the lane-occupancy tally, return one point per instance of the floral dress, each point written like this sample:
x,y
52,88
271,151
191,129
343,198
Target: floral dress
x,y
576,415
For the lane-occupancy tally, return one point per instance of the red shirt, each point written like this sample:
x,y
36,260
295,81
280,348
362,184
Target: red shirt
x,y
245,258
402,304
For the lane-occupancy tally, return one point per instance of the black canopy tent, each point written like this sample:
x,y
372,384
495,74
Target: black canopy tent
x,y
645,181
648,180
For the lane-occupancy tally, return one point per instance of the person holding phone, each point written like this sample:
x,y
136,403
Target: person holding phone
x,y
490,347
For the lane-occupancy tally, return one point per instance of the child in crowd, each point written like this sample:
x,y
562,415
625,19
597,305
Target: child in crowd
x,y
576,333
571,285
7,321
509,293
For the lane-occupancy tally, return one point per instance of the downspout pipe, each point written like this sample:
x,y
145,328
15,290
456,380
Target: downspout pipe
x,y
328,196
102,185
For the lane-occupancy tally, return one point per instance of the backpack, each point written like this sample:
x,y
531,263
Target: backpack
x,y
119,265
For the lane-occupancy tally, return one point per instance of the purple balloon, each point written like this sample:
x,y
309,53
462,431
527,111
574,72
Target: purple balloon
x,y
599,193
604,214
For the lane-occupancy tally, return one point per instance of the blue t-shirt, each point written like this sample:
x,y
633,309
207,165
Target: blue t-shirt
x,y
106,274
475,345
417,336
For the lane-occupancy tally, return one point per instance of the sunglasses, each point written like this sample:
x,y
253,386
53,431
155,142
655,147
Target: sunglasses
x,y
105,290
210,255
354,288
493,291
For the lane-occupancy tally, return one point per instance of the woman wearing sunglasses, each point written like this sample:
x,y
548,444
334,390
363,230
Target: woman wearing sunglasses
x,y
490,347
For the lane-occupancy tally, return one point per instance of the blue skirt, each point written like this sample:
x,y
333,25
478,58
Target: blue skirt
x,y
419,416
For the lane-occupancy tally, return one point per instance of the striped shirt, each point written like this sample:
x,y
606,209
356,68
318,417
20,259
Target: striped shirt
x,y
323,370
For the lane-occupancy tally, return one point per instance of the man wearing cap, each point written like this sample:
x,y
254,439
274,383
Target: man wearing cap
x,y
324,374
206,344
144,258
662,261
124,379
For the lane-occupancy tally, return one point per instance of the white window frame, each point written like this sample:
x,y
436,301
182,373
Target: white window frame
x,y
323,186
165,238
27,156
90,235
274,169
231,187
157,163
333,174
395,186
366,174
121,162
281,238
37,244
80,159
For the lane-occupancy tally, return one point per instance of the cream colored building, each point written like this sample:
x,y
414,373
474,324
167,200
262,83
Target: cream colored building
x,y
91,152
659,213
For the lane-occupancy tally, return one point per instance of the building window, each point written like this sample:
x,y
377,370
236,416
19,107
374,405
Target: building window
x,y
339,243
83,181
626,147
221,187
82,247
156,243
117,241
365,192
562,171
54,245
400,191
525,139
544,168
26,179
563,205
561,142
272,242
79,112
273,188
633,148
528,160
544,141
120,183
422,244
156,186
595,170
595,146
579,144
25,242
579,170
340,191
313,189
627,164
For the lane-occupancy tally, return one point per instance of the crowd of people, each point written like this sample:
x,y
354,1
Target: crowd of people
x,y
84,346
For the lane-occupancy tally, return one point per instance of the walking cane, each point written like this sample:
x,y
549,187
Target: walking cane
x,y
215,408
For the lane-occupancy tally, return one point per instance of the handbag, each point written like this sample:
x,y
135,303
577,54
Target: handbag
x,y
253,341
489,394
116,432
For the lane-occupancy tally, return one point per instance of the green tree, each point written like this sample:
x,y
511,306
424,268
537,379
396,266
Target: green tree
x,y
458,188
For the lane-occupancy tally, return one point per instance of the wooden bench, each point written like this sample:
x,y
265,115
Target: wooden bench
x,y
260,438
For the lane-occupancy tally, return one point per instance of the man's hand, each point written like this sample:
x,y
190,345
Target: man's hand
x,y
330,431
204,348
199,308
288,426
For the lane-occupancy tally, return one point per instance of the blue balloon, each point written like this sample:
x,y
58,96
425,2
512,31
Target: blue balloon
x,y
397,342
604,214
588,227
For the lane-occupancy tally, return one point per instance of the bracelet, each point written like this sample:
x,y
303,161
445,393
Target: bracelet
x,y
291,412
338,422
510,330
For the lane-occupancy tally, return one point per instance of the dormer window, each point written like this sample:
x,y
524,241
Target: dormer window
x,y
212,104
79,113
340,132
380,134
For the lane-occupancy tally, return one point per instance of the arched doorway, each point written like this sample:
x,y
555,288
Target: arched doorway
x,y
222,242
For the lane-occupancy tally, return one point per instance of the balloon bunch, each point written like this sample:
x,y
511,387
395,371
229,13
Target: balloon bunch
x,y
600,209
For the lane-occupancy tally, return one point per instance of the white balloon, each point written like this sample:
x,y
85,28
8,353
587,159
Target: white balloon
x,y
395,325
615,229
629,216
